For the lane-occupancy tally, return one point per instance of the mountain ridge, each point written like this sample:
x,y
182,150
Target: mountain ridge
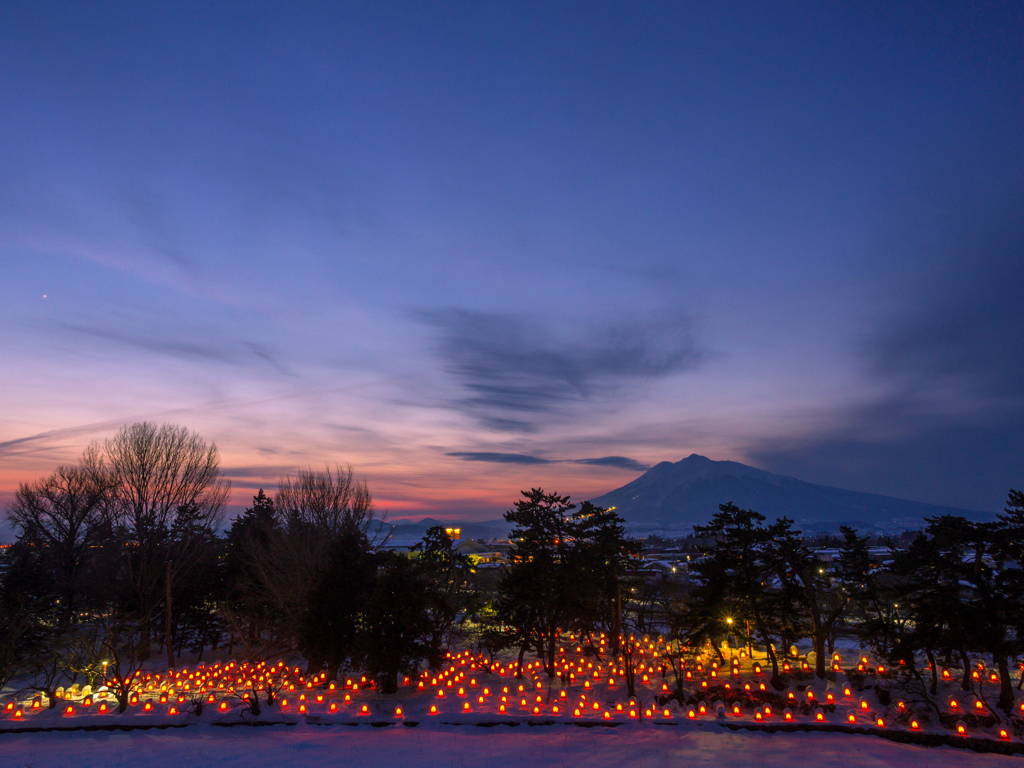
x,y
675,496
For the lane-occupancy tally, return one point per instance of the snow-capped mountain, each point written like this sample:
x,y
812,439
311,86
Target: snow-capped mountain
x,y
673,497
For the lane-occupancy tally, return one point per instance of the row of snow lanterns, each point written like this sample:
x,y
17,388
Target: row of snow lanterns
x,y
977,675
462,660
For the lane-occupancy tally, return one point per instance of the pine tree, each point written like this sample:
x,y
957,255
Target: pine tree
x,y
537,592
397,630
739,570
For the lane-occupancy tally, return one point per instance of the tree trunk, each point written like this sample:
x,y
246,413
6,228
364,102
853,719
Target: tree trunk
x,y
552,648
965,682
818,632
145,634
519,666
776,680
391,682
630,675
819,653
766,639
167,619
1005,683
616,627
716,643
935,671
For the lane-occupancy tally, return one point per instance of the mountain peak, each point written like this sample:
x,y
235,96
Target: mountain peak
x,y
677,495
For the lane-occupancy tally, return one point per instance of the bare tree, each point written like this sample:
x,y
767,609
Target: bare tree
x,y
330,503
61,659
284,558
121,639
64,513
161,475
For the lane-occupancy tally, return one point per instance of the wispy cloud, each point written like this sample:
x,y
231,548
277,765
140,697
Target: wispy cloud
x,y
34,443
618,462
188,350
181,344
498,458
513,372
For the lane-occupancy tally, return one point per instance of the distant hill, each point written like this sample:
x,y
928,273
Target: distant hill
x,y
672,497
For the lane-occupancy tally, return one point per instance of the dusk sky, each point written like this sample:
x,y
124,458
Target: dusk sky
x,y
471,249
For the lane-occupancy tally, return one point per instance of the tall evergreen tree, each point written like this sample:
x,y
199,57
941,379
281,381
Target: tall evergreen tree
x,y
537,592
397,635
743,563
329,633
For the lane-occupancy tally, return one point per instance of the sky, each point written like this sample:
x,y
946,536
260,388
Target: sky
x,y
476,248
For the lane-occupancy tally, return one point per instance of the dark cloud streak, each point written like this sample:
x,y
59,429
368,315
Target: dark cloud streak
x,y
498,458
514,373
619,462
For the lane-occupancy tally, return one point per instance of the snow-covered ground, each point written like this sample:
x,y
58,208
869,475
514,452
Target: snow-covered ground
x,y
433,744
451,704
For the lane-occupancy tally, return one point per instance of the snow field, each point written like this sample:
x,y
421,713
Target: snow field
x,y
472,690
432,744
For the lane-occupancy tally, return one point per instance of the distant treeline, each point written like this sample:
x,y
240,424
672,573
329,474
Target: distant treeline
x,y
121,557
